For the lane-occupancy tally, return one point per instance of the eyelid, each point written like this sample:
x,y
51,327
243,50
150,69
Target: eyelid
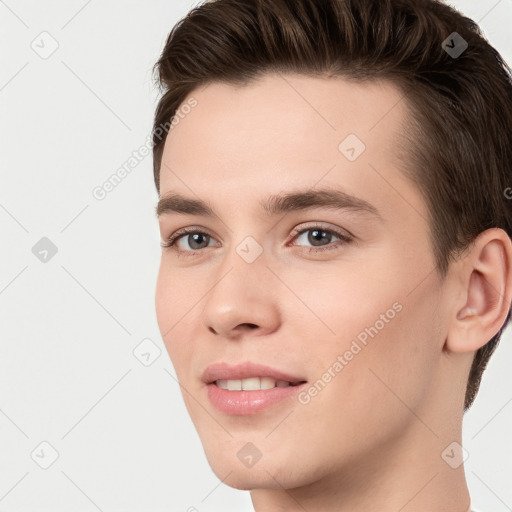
x,y
342,233
173,238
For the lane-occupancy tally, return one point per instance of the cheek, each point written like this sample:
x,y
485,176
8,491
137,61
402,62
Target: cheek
x,y
177,294
164,302
338,305
174,305
382,324
397,362
375,388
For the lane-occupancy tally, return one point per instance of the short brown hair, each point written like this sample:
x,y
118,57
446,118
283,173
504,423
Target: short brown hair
x,y
459,133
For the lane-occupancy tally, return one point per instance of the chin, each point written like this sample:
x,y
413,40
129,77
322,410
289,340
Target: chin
x,y
269,473
250,479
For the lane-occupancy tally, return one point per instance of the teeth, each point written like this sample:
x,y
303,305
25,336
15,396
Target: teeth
x,y
267,383
234,385
251,384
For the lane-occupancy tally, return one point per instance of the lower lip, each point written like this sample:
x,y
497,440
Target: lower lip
x,y
249,402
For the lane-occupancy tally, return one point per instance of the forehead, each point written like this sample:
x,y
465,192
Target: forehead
x,y
290,105
286,130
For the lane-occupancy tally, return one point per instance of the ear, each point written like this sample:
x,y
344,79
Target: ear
x,y
485,280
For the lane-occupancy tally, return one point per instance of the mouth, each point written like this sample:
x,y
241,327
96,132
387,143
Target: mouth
x,y
250,388
254,384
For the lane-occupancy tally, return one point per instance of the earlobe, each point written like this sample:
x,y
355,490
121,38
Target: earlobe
x,y
486,279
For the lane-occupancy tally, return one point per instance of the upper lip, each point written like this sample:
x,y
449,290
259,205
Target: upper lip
x,y
225,371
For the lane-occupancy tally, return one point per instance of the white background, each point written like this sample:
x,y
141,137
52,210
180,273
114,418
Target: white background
x,y
69,326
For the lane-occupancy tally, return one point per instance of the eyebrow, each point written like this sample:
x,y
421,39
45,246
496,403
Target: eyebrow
x,y
277,204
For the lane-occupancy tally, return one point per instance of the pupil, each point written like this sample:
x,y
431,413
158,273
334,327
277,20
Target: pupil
x,y
195,237
313,238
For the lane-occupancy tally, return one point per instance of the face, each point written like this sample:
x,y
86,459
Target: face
x,y
335,288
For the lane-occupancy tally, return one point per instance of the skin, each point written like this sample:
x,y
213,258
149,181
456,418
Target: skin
x,y
372,438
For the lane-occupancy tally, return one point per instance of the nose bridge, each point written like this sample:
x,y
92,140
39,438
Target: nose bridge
x,y
244,272
245,264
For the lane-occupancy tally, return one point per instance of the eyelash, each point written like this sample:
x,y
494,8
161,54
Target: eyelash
x,y
170,243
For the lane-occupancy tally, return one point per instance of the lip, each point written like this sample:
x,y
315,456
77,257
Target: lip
x,y
225,371
242,403
246,402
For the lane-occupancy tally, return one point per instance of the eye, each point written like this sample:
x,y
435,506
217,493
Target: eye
x,y
320,238
195,239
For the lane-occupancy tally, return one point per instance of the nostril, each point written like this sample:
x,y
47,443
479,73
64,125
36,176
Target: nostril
x,y
246,325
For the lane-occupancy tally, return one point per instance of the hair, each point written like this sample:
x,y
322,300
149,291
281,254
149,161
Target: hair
x,y
458,130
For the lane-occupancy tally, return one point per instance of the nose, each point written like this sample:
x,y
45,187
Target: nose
x,y
243,299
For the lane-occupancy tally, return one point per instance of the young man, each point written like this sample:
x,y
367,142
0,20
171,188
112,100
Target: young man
x,y
336,269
